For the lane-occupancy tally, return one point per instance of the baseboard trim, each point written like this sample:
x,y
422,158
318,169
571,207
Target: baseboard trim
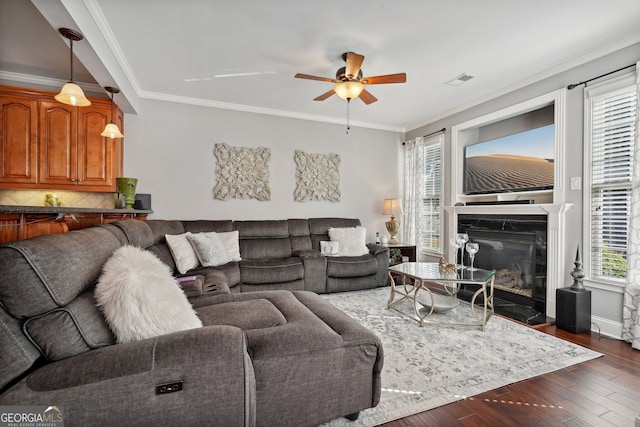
x,y
606,327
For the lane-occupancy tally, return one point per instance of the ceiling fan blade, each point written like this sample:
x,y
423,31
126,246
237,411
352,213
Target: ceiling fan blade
x,y
366,97
310,77
354,61
324,95
388,78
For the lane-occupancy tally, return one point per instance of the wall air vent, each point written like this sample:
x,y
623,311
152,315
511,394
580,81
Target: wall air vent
x,y
462,78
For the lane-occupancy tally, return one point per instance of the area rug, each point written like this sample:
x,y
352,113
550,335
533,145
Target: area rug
x,y
430,366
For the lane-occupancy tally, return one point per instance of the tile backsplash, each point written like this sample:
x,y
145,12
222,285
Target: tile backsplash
x,y
76,199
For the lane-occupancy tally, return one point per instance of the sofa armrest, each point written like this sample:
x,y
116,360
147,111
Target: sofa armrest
x,y
315,270
211,364
375,249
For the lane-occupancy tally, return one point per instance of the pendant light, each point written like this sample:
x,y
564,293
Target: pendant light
x,y
71,93
111,130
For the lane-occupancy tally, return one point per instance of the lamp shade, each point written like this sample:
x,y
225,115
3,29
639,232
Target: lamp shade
x,y
348,90
112,131
392,207
72,94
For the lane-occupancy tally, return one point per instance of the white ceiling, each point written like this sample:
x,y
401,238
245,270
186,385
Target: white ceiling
x,y
243,54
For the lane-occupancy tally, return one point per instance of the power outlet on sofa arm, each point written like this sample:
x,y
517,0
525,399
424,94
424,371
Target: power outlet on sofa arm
x,y
168,387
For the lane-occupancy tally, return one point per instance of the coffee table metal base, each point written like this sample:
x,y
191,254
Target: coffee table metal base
x,y
438,302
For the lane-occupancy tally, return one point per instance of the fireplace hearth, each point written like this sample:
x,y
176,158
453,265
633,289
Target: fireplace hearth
x,y
515,247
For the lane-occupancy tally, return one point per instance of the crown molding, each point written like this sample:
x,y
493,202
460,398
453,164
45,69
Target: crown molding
x,y
47,81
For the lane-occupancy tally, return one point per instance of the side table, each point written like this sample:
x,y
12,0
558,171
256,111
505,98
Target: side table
x,y
405,249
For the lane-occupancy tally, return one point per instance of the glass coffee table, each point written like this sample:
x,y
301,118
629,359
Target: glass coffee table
x,y
428,296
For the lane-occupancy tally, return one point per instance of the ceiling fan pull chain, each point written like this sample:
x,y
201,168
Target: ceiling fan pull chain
x,y
348,103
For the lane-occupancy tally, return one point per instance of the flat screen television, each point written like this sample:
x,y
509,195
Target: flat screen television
x,y
514,163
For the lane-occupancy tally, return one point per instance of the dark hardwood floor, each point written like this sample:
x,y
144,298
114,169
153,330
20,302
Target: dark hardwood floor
x,y
601,392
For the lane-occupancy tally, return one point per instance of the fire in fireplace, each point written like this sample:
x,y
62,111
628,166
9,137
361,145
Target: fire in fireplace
x,y
515,246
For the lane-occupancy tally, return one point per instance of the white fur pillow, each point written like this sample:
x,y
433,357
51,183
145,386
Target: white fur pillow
x,y
140,298
352,240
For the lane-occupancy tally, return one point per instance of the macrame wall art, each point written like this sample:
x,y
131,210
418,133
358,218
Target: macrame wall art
x,y
242,173
317,177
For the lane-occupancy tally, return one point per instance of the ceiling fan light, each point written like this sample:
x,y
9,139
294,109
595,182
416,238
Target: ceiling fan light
x,y
72,94
112,131
348,90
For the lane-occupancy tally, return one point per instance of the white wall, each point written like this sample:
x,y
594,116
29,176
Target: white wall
x,y
169,148
606,302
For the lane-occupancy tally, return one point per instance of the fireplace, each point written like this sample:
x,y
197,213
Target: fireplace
x,y
515,246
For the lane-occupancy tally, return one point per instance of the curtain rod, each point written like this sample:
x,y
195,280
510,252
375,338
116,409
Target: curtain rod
x,y
575,85
443,130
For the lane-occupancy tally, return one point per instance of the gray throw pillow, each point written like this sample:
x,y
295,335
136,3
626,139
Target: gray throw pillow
x,y
209,249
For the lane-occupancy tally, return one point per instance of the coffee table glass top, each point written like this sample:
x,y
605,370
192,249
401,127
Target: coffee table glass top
x,y
431,271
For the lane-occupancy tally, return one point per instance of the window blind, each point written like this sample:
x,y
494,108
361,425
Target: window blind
x,y
432,195
613,122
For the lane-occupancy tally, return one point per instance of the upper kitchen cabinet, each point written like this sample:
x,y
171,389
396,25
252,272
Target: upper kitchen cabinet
x,y
71,153
18,141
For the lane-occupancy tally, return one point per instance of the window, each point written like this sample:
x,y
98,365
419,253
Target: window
x,y
610,136
432,194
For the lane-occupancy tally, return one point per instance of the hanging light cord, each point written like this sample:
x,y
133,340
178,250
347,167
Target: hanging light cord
x,y
112,107
71,58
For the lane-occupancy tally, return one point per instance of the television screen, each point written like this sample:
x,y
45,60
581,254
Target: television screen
x,y
518,162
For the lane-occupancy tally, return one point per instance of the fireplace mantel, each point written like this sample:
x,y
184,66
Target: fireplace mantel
x,y
556,245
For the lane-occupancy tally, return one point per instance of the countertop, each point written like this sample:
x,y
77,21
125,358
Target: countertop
x,y
67,210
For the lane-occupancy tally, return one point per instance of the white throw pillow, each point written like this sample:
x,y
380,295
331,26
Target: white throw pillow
x,y
209,249
328,248
140,298
230,240
352,240
182,251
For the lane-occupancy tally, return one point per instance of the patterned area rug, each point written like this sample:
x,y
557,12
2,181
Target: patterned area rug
x,y
434,365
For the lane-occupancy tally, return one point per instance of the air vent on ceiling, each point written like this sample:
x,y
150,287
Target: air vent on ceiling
x,y
462,78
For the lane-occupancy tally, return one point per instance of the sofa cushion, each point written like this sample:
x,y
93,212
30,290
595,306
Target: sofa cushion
x,y
18,353
70,330
252,314
264,239
271,271
209,249
352,240
140,298
364,265
47,272
182,251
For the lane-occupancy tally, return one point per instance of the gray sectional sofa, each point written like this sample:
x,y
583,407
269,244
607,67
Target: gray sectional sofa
x,y
278,355
282,254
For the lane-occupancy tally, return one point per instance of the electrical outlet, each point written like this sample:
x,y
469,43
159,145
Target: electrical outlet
x,y
576,183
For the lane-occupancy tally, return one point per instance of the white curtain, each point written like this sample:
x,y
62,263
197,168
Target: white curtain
x,y
414,168
630,314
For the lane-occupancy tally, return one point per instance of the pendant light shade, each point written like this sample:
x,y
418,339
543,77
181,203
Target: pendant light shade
x,y
111,130
71,93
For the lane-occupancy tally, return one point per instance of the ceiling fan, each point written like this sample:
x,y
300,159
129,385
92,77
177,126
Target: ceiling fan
x,y
350,83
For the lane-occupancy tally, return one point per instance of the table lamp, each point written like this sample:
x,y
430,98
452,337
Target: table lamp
x,y
392,207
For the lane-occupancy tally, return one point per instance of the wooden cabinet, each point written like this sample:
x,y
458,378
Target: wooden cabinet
x,y
49,145
18,141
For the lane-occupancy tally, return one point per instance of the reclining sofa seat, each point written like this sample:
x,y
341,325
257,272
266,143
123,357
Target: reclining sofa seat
x,y
263,358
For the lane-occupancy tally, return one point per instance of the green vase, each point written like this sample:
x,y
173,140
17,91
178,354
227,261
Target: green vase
x,y
127,186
